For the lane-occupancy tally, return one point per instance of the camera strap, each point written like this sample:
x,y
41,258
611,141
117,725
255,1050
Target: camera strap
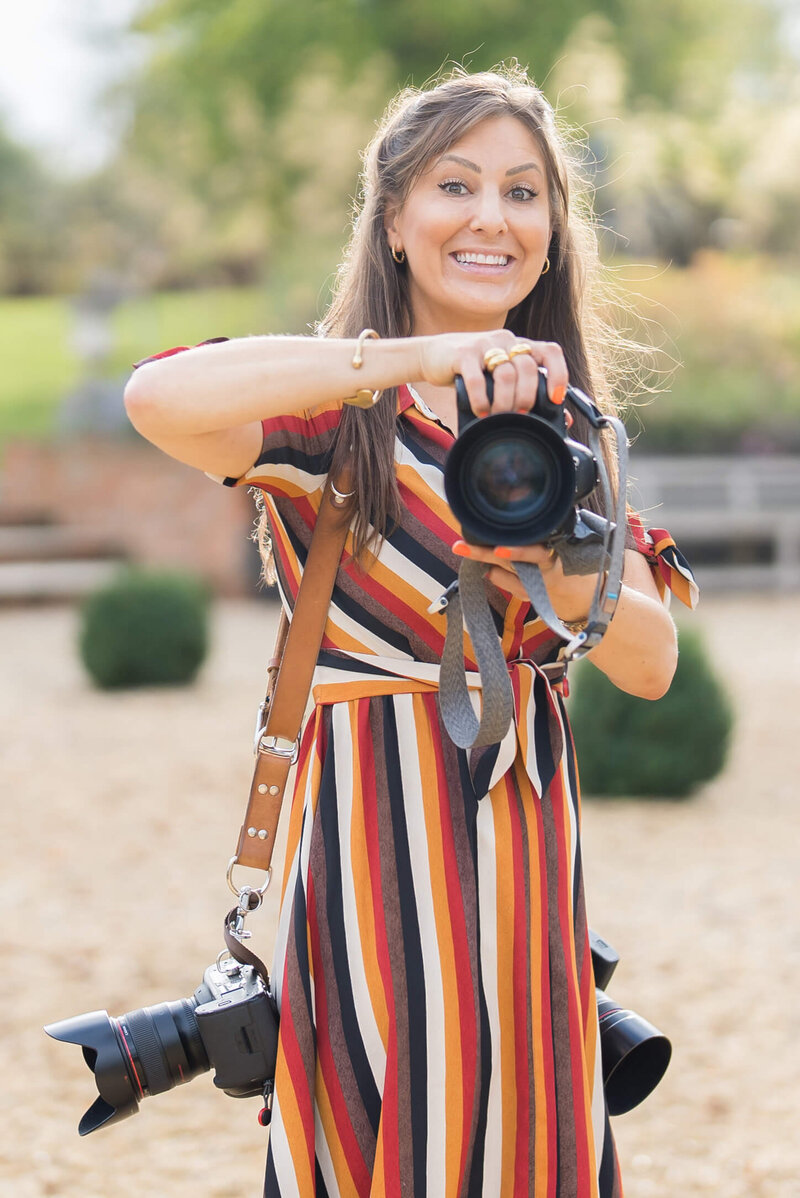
x,y
280,716
596,545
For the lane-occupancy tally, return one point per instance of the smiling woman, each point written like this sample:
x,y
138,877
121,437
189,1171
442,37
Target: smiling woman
x,y
438,1020
476,243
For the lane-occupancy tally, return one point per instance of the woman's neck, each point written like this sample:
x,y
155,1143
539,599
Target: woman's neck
x,y
442,402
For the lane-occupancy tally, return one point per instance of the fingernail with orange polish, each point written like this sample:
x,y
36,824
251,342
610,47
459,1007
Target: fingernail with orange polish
x,y
462,549
558,394
504,551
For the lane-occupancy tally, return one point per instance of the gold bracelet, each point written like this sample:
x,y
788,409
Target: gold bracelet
x,y
576,625
363,398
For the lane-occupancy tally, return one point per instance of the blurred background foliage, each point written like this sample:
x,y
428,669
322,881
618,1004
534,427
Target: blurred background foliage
x,y
226,204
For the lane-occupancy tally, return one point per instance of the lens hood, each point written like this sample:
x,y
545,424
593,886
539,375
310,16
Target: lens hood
x,y
635,1055
108,1060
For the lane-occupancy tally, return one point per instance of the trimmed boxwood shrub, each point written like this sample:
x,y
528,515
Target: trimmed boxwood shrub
x,y
145,627
662,749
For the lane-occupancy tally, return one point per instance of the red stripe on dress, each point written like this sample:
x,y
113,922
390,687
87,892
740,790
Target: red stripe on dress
x,y
416,621
519,921
430,428
299,423
391,1097
576,1034
296,1070
438,526
359,1170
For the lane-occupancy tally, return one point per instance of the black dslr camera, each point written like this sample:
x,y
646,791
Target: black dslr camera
x,y
517,477
230,1024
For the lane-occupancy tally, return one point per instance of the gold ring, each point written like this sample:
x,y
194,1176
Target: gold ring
x,y
516,350
494,358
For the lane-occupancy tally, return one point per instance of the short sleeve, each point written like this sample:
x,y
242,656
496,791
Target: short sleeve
x,y
296,453
296,450
671,571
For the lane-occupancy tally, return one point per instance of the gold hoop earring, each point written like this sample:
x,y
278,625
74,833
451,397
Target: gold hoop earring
x,y
546,266
401,257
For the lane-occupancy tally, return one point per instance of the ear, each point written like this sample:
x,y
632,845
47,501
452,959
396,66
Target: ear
x,y
390,214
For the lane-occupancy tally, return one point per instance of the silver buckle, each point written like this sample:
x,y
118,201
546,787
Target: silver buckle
x,y
261,723
279,746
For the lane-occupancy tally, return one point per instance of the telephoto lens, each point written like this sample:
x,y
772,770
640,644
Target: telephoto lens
x,y
515,478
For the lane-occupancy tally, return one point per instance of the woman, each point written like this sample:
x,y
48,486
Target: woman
x,y
438,1019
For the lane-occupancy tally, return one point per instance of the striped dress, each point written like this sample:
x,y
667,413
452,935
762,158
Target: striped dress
x,y
438,1031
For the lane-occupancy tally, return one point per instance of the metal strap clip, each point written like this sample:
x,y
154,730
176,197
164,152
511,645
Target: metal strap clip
x,y
279,746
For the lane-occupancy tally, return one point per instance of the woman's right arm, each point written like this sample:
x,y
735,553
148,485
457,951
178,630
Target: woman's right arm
x,y
204,406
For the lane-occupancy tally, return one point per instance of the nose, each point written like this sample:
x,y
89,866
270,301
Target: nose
x,y
487,214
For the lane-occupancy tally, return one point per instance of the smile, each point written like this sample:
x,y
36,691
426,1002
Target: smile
x,y
482,263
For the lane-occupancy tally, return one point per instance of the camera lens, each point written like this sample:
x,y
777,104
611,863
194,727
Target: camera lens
x,y
141,1053
510,479
162,1045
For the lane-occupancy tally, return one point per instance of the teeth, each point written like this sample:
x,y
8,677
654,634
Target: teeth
x,y
485,259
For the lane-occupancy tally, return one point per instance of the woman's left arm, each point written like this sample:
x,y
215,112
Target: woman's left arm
x,y
639,651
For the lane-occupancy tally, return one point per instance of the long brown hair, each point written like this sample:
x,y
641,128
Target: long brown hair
x,y
371,289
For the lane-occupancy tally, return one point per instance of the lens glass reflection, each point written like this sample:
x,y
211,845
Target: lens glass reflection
x,y
511,476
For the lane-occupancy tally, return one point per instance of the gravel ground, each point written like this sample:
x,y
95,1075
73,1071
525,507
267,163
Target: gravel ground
x,y
120,814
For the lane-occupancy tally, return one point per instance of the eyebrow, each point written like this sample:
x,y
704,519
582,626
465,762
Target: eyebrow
x,y
515,170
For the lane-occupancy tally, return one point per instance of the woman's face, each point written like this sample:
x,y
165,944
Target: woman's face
x,y
487,194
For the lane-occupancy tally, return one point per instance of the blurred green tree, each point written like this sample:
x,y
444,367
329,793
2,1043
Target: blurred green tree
x,y
274,101
29,200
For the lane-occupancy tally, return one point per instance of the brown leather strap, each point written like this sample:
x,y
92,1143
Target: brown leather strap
x,y
277,742
239,951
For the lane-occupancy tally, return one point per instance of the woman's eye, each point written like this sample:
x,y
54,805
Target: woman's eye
x,y
523,191
528,192
452,183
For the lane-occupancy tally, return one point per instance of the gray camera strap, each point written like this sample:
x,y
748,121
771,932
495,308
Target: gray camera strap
x,y
595,545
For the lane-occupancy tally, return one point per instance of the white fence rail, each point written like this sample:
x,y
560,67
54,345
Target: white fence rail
x,y
736,518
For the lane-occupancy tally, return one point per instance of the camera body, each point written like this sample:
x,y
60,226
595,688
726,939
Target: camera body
x,y
516,478
230,1025
238,1025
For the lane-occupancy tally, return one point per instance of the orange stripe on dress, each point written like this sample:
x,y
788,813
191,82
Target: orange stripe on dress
x,y
546,1113
506,1049
308,763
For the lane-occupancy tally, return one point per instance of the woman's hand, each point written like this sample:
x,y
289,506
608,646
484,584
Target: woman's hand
x,y
570,594
639,651
444,356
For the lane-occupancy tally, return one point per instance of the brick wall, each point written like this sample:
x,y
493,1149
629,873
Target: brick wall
x,y
152,509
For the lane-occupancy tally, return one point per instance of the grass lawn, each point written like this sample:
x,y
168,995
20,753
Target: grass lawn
x,y
39,364
41,367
